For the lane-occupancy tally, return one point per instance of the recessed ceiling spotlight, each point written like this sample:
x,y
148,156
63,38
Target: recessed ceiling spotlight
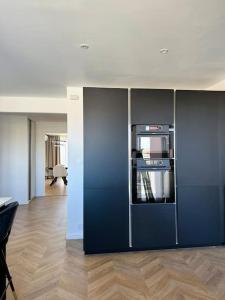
x,y
84,46
164,51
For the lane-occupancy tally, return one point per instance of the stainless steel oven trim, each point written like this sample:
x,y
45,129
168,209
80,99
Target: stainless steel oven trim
x,y
175,172
129,167
153,133
153,169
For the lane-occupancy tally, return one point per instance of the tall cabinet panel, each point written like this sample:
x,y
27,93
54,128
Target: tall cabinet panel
x,y
152,106
198,174
221,136
153,224
106,202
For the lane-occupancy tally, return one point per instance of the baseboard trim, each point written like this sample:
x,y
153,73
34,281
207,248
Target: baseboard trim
x,y
74,236
24,203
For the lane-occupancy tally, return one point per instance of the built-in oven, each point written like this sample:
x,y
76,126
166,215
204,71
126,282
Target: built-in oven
x,y
151,142
152,181
153,164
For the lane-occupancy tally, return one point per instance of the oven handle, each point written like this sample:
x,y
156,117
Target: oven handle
x,y
152,133
153,168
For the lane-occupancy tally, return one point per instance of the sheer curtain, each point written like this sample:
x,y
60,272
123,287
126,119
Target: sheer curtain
x,y
52,151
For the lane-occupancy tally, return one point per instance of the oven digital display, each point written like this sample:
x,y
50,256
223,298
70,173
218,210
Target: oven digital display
x,y
152,128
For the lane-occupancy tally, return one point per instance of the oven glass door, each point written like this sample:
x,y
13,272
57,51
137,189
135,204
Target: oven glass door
x,y
153,146
153,186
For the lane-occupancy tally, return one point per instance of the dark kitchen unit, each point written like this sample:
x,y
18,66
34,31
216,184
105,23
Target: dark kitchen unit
x,y
152,179
200,157
153,205
154,169
106,199
152,164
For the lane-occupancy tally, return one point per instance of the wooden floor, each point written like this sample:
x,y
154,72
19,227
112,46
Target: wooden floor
x,y
57,189
43,267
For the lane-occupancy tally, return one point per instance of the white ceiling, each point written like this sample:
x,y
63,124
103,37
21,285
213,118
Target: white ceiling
x,y
40,53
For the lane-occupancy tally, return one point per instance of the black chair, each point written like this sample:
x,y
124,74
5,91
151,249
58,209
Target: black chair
x,y
7,214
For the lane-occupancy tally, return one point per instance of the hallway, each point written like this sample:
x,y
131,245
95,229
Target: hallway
x,y
44,268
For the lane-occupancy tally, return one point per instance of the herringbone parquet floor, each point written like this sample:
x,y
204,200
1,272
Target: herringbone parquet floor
x,y
43,266
57,189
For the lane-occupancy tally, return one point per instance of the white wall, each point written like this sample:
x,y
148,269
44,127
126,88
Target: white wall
x,y
41,129
33,105
74,110
14,157
75,163
219,86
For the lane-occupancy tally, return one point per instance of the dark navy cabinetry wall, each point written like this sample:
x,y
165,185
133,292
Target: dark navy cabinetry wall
x,y
153,225
198,173
200,170
221,136
198,215
106,203
152,106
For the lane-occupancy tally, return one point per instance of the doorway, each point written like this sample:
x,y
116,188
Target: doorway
x,y
41,128
56,164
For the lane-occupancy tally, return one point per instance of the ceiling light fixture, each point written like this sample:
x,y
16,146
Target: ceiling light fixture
x,y
84,46
164,51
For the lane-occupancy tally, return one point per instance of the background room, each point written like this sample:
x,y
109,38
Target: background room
x,y
56,163
23,154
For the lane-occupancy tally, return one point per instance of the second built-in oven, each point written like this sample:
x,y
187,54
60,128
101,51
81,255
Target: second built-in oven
x,y
152,181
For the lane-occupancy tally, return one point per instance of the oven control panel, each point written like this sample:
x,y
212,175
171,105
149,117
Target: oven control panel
x,y
151,129
153,163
